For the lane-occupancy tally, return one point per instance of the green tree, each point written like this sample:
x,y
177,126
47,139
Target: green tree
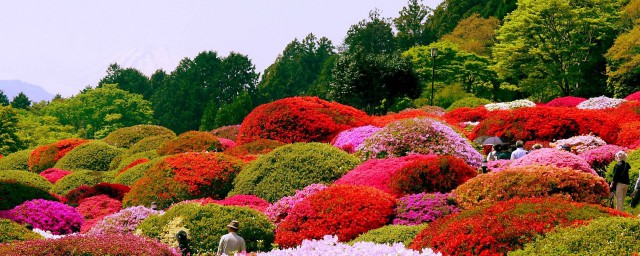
x,y
446,16
128,79
35,130
9,141
411,25
475,34
623,58
21,101
4,101
234,112
371,36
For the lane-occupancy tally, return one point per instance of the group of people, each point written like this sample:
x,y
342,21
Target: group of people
x,y
229,243
506,152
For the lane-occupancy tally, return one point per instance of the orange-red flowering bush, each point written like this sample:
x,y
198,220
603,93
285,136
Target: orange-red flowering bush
x,y
381,121
46,156
431,174
342,210
192,141
505,226
532,181
629,133
185,176
299,119
459,115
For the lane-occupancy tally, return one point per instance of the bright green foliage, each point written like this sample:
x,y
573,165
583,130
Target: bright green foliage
x,y
16,161
124,160
96,156
21,101
206,224
391,234
602,236
149,143
128,79
411,25
26,178
9,140
449,13
623,67
634,160
76,179
128,136
475,34
292,167
129,177
470,102
446,96
36,130
12,231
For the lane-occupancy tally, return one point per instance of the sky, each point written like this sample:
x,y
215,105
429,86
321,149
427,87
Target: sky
x,y
65,45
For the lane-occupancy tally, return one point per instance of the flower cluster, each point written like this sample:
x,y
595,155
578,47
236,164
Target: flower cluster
x,y
462,115
250,201
568,101
279,210
629,133
554,157
410,113
46,156
419,136
226,143
47,215
421,208
579,144
53,174
633,96
600,157
192,141
95,208
352,139
431,174
227,132
601,102
509,105
123,222
114,191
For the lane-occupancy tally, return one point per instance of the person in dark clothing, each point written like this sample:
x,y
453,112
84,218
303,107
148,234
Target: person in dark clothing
x,y
504,153
183,243
620,183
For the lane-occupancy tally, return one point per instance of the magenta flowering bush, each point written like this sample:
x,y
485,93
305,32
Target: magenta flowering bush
x,y
90,245
421,208
600,157
250,201
95,208
351,140
568,101
633,96
498,165
579,144
280,209
52,216
601,102
554,157
418,136
123,222
226,143
53,174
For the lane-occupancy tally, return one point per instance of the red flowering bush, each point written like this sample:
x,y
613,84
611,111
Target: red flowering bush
x,y
114,191
633,96
299,119
53,174
505,226
185,176
126,244
381,121
192,141
532,181
554,157
95,208
528,145
431,174
629,133
128,136
568,101
459,115
227,132
342,210
132,164
46,156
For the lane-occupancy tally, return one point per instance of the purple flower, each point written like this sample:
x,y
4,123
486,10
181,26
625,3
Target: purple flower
x,y
352,139
279,210
46,215
421,208
123,222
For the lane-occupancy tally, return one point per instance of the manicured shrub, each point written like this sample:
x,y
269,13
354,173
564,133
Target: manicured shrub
x,y
95,156
279,210
460,115
330,245
510,105
133,174
227,132
257,147
149,144
629,133
90,245
114,191
352,139
288,168
16,161
250,201
567,101
579,144
14,193
633,96
431,174
469,102
52,216
603,236
382,121
128,136
132,164
422,208
123,222
207,223
46,156
227,143
391,234
95,208
299,119
53,175
342,210
633,159
601,102
123,161
532,181
13,232
76,179
26,178
192,141
504,226
554,157
498,165
418,136
600,157
185,176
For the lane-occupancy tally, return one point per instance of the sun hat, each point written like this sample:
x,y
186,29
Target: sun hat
x,y
234,225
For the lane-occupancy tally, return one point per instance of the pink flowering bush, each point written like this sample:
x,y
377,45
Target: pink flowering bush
x,y
579,144
554,157
250,201
122,222
419,136
130,245
568,101
600,157
601,102
226,143
52,216
53,174
351,140
633,96
95,208
498,165
420,208
280,209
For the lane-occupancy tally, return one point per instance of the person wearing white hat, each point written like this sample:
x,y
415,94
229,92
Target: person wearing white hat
x,y
231,242
620,183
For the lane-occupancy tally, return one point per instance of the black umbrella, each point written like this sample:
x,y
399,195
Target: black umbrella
x,y
492,141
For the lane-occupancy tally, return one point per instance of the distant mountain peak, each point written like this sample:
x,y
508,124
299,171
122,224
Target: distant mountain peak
x,y
11,88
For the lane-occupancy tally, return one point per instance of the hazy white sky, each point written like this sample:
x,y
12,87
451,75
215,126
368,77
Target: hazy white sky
x,y
64,45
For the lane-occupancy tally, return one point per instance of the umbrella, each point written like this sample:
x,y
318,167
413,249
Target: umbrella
x,y
492,141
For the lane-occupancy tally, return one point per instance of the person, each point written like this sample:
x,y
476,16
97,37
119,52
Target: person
x,y
154,206
621,181
566,148
493,155
635,196
536,146
519,152
183,243
29,226
231,242
503,154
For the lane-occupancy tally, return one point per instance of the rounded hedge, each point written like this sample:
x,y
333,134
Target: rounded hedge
x,y
128,136
44,157
16,161
123,222
554,157
254,148
568,101
149,144
299,119
192,141
228,132
352,139
279,210
629,133
382,121
95,156
46,215
133,174
205,224
12,232
391,234
469,102
95,208
603,236
27,178
53,175
423,208
76,179
633,159
431,174
14,193
185,176
288,168
126,161
115,191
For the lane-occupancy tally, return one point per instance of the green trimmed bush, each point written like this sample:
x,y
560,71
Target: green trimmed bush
x,y
469,102
12,231
206,224
95,156
129,177
149,143
76,179
286,169
123,161
16,161
192,141
391,234
15,193
603,236
128,136
634,160
27,178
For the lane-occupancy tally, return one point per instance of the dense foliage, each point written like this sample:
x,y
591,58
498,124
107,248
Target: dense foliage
x,y
46,156
14,193
76,179
192,141
391,234
14,232
129,136
470,102
16,161
95,156
431,174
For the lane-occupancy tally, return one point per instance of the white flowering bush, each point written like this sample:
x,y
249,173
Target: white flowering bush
x,y
601,102
509,105
579,144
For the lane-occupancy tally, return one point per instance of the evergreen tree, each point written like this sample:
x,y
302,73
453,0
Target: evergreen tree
x,y
4,101
21,101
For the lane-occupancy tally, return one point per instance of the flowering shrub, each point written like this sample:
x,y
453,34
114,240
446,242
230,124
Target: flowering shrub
x,y
90,245
633,96
123,222
250,201
288,168
390,234
299,119
509,105
76,179
469,102
132,164
227,132
382,121
528,145
460,115
342,210
95,156
279,210
532,181
330,245
434,110
598,158
129,177
257,147
114,191
352,139
421,208
128,136
498,165
418,136
601,102
579,144
149,144
185,176
431,174
192,141
205,224
26,178
505,226
14,193
629,133
226,143
48,215
46,156
95,208
12,231
16,161
53,175
568,101
554,157
123,160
